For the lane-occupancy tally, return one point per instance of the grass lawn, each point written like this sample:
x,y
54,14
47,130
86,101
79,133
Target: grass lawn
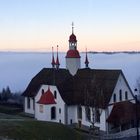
x,y
37,130
17,127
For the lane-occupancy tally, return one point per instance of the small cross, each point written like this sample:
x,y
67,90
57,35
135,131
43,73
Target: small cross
x,y
72,27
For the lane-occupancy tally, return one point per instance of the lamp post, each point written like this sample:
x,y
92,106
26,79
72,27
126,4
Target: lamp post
x,y
137,121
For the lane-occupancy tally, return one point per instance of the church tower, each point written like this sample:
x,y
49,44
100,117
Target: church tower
x,y
72,56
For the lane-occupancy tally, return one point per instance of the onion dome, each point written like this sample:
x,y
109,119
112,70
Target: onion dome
x,y
72,54
72,38
47,98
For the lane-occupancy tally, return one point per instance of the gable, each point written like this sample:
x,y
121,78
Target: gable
x,y
123,87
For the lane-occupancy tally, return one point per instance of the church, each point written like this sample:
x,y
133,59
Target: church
x,y
80,97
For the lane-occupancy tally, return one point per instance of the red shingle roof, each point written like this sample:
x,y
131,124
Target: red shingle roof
x,y
47,98
123,112
72,54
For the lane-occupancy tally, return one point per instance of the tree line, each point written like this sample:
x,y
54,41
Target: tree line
x,y
6,96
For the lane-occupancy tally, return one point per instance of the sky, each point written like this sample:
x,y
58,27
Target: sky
x,y
99,25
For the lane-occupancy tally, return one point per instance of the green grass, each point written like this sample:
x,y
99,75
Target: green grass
x,y
14,125
37,130
9,110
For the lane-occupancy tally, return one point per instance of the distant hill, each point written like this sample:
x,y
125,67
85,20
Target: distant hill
x,y
115,52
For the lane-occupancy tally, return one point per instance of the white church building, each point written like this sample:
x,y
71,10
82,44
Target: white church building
x,y
81,97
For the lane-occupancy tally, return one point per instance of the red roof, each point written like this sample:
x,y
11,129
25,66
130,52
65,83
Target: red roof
x,y
47,98
72,54
72,38
57,61
123,112
53,61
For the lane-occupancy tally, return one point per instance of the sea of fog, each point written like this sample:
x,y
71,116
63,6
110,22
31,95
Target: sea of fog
x,y
18,68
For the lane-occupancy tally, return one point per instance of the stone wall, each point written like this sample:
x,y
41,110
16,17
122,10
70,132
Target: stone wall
x,y
126,133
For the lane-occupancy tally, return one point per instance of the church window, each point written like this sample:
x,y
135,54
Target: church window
x,y
53,113
114,97
120,95
70,121
59,121
59,110
42,91
55,94
88,113
126,95
79,111
33,104
28,103
97,115
41,108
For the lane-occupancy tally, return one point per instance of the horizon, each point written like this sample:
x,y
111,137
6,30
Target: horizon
x,y
37,25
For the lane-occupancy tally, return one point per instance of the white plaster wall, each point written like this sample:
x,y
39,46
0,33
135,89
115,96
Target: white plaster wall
x,y
26,109
73,64
102,123
84,120
47,113
121,84
72,114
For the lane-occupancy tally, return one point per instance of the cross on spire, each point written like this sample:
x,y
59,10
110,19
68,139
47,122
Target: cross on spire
x,y
72,27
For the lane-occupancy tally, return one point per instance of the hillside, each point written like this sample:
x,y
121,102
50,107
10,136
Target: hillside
x,y
36,130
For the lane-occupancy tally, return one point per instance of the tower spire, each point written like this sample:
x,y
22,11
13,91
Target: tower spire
x,y
72,28
57,60
86,60
53,61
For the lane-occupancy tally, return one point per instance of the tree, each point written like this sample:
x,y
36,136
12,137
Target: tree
x,y
6,94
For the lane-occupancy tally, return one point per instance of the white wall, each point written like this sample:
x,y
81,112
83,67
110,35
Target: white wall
x,y
102,123
73,64
84,120
72,114
26,109
47,108
121,84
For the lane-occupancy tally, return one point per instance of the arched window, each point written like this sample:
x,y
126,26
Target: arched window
x,y
55,94
42,91
28,102
88,113
53,113
59,110
126,95
120,95
114,97
79,111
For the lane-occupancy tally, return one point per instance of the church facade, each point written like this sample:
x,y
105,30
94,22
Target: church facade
x,y
82,97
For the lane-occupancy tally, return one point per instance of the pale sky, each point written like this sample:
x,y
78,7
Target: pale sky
x,y
100,25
